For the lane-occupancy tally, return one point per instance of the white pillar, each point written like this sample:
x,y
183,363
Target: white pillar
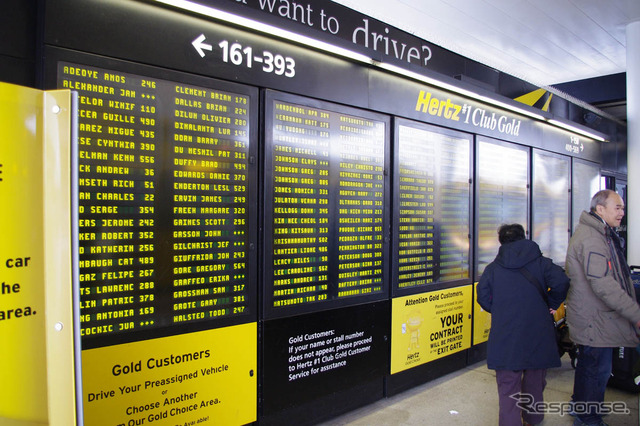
x,y
633,143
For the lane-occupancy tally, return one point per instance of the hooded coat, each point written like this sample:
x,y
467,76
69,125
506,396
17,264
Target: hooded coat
x,y
522,333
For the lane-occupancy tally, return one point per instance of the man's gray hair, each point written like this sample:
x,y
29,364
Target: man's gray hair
x,y
600,198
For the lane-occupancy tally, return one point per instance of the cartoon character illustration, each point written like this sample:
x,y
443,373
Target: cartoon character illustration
x,y
413,327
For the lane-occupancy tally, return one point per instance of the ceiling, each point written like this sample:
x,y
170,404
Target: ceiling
x,y
544,42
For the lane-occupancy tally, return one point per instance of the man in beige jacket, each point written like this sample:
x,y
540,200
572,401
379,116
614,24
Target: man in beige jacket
x,y
602,312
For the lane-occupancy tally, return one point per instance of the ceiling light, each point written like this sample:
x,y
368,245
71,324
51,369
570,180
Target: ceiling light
x,y
578,130
265,28
271,30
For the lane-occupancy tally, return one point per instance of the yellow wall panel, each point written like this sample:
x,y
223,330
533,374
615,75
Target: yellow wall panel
x,y
29,131
481,320
207,377
428,326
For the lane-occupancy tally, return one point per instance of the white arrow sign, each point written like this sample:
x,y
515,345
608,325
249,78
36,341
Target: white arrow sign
x,y
200,46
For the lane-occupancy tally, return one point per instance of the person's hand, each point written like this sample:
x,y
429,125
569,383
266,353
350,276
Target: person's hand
x,y
553,312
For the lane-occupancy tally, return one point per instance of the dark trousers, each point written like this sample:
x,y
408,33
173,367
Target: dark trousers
x,y
590,381
511,384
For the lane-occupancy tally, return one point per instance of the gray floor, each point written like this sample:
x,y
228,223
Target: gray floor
x,y
469,397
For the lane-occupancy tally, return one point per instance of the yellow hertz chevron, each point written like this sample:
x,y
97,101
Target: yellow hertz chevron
x,y
532,98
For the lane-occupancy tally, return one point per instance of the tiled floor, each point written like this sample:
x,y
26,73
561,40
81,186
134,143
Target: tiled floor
x,y
469,397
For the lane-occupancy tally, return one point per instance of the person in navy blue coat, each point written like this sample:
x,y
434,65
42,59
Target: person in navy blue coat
x,y
521,288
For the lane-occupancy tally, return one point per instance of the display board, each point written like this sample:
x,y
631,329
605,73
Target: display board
x,y
551,206
432,214
325,205
585,182
167,197
502,193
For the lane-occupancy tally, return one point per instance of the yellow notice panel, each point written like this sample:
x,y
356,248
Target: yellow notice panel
x,y
481,320
428,326
35,284
202,378
23,365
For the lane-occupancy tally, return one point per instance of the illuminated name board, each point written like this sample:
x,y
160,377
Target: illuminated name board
x,y
327,192
432,206
163,200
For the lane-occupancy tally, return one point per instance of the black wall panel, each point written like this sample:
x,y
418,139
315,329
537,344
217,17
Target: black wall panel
x,y
319,365
18,42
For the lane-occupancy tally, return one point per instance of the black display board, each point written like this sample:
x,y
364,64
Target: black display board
x,y
585,182
551,206
324,363
326,202
167,196
432,207
502,194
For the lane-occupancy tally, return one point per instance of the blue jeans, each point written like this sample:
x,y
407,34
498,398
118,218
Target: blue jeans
x,y
592,374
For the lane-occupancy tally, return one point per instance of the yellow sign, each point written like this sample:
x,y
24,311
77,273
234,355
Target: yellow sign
x,y
36,325
428,326
203,378
481,320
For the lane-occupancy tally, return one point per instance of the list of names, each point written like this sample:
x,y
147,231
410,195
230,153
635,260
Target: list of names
x,y
433,207
327,192
163,200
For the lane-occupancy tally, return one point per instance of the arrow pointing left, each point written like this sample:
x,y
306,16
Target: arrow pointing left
x,y
200,46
